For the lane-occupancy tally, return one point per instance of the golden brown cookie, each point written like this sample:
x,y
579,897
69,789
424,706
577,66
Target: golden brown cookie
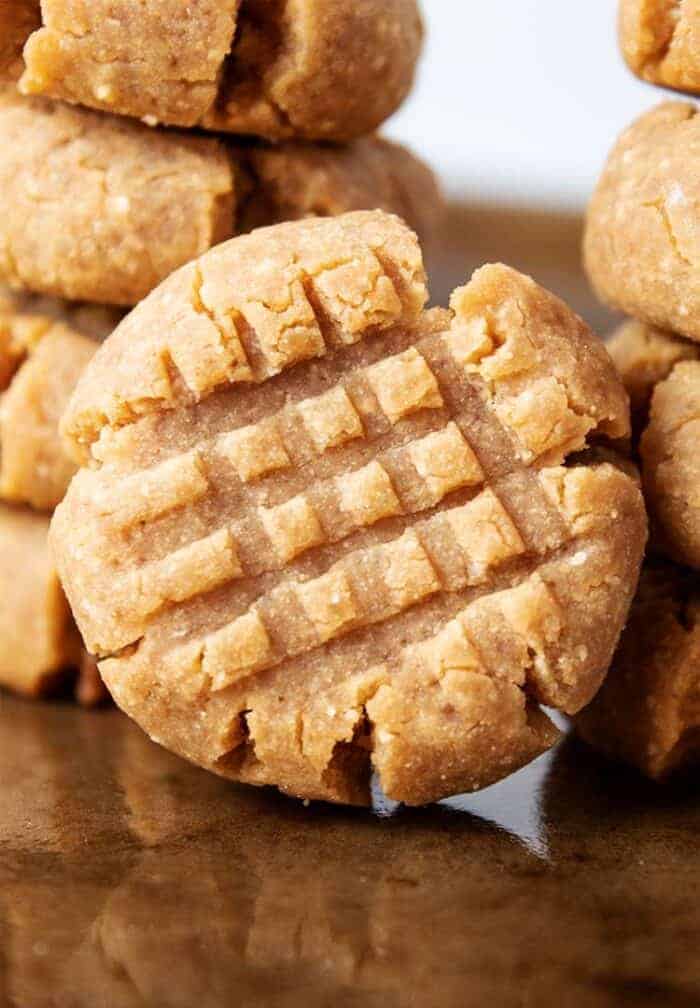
x,y
661,373
38,640
645,356
671,463
100,209
325,530
40,363
660,41
648,712
314,69
642,241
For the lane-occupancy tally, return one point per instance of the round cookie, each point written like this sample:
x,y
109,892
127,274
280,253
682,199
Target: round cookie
x,y
324,531
647,711
99,209
313,69
40,363
641,245
660,41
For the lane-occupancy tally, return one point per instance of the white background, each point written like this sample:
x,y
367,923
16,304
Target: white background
x,y
516,106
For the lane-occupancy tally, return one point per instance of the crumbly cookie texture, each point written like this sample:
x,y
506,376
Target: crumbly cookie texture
x,y
642,244
645,356
18,19
95,208
648,710
325,531
40,363
660,41
38,640
313,69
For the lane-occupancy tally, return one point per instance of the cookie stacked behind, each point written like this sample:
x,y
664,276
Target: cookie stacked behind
x,y
642,255
44,347
101,208
311,69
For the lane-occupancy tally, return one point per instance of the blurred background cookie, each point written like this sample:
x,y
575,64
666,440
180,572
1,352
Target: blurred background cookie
x,y
671,463
648,710
645,356
661,373
660,41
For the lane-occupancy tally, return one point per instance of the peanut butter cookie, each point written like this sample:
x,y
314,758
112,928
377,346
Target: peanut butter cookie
x,y
18,19
314,69
661,373
324,530
40,363
642,242
648,710
38,640
645,356
670,463
660,41
100,209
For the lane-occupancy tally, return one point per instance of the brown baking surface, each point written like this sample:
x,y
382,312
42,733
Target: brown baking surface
x,y
156,885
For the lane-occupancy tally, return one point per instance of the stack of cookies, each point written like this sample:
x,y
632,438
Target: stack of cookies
x,y
642,253
133,137
315,531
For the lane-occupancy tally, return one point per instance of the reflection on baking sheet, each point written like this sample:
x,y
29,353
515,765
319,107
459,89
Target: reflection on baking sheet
x,y
130,878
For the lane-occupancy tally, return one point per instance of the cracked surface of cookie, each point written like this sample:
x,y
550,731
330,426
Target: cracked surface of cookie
x,y
40,363
313,69
660,41
641,246
321,530
648,710
100,209
38,640
670,463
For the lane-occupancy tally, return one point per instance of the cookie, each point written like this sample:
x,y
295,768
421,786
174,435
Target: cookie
x,y
661,373
94,208
38,640
40,363
325,531
94,320
641,239
645,356
670,463
647,712
315,69
660,41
